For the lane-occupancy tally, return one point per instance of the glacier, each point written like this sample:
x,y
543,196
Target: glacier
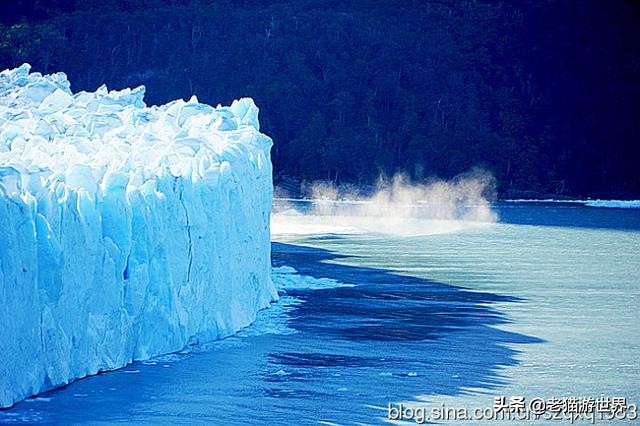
x,y
126,231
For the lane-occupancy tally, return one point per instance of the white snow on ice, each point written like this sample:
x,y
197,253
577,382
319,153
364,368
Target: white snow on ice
x,y
126,231
614,204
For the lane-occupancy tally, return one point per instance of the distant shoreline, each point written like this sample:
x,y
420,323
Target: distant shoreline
x,y
611,203
617,204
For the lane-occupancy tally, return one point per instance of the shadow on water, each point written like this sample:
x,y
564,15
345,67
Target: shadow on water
x,y
383,306
401,336
386,339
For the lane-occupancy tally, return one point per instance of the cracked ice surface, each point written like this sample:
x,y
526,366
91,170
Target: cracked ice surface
x,y
126,231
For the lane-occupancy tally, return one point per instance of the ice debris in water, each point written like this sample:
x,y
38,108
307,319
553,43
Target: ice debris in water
x,y
287,278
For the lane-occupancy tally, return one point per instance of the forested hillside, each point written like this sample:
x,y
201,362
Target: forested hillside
x,y
544,94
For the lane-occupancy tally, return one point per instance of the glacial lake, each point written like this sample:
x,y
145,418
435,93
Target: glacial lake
x,y
543,303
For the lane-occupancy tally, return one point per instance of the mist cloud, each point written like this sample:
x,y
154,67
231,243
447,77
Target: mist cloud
x,y
396,206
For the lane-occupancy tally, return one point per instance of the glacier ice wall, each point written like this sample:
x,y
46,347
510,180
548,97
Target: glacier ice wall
x,y
126,230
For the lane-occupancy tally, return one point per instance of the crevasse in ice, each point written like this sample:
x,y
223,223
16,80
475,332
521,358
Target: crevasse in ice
x,y
126,230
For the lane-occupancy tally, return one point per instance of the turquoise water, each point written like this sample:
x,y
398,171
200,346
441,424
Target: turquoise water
x,y
542,304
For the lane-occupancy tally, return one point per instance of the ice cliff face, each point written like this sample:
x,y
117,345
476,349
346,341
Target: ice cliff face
x,y
126,231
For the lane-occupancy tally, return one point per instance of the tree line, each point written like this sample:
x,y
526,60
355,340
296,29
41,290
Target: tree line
x,y
542,94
